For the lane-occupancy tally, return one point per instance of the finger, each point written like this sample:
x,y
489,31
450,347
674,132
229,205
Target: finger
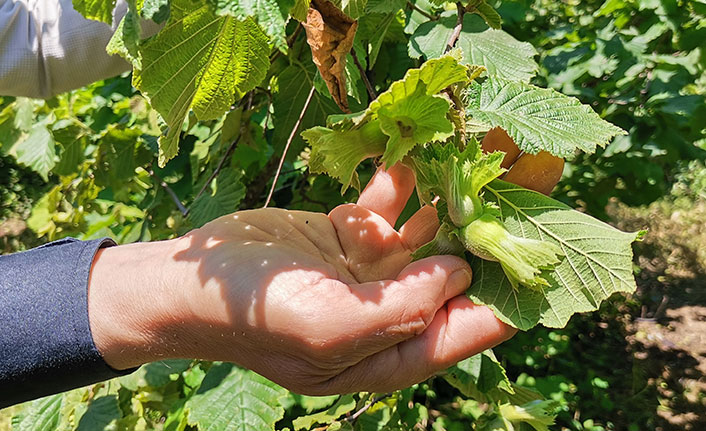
x,y
459,330
540,172
388,191
498,140
373,249
420,228
388,312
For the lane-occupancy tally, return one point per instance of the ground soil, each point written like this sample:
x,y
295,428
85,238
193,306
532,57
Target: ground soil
x,y
670,344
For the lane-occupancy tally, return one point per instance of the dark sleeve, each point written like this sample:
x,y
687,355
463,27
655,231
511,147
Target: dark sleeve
x,y
46,345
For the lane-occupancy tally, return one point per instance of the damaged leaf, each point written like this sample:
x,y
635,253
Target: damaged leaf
x,y
330,33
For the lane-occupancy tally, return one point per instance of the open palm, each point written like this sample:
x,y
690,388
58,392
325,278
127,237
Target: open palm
x,y
328,304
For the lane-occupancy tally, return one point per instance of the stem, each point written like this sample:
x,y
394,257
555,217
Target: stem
x,y
170,192
422,11
364,76
217,170
289,142
457,30
352,418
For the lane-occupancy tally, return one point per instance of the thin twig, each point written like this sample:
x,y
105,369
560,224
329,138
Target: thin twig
x,y
170,192
457,30
289,142
364,76
365,408
422,11
221,162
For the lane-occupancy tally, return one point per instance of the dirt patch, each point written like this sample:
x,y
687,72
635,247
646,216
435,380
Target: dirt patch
x,y
12,227
672,351
667,334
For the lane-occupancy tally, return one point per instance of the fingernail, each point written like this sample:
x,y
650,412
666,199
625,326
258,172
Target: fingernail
x,y
460,279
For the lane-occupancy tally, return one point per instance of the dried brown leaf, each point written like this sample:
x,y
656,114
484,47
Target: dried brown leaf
x,y
330,34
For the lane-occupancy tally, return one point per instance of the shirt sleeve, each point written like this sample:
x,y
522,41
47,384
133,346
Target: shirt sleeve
x,y
46,346
47,48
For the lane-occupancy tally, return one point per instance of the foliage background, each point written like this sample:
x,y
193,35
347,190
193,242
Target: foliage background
x,y
640,64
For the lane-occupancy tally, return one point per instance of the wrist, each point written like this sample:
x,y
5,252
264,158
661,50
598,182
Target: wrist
x,y
133,306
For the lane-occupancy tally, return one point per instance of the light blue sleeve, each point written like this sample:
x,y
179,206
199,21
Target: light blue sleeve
x,y
47,48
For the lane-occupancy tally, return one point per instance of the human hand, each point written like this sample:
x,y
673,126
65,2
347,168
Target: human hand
x,y
320,304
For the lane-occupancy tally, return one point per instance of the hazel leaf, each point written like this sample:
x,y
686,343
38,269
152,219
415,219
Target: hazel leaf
x,y
597,262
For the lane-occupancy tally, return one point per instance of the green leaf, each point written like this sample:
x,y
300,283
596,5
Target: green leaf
x,y
37,150
597,262
116,161
339,152
41,415
268,13
156,10
501,54
408,113
344,405
311,404
411,113
199,61
538,414
155,374
379,24
489,14
384,6
300,9
294,84
479,373
538,119
126,39
229,191
71,137
239,63
412,118
101,10
24,113
100,414
235,399
353,8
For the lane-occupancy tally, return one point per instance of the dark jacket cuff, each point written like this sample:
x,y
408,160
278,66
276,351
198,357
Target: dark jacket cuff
x,y
46,345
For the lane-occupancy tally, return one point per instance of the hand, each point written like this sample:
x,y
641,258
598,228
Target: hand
x,y
320,304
